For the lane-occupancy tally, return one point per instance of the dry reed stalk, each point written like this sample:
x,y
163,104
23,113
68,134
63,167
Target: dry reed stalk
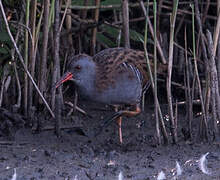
x,y
22,60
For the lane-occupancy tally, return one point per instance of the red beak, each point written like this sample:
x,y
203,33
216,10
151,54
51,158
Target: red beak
x,y
67,76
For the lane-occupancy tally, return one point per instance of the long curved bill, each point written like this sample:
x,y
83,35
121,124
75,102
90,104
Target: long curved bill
x,y
67,76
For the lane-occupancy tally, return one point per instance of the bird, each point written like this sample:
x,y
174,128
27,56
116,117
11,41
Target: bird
x,y
114,76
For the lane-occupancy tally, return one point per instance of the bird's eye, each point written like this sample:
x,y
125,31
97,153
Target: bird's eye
x,y
77,67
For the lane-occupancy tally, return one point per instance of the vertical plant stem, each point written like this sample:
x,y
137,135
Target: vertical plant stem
x,y
51,14
207,5
163,129
207,94
43,65
218,6
155,72
2,89
218,51
56,67
204,121
125,19
170,64
160,4
94,31
58,115
207,68
146,13
32,52
188,93
214,84
37,63
118,40
81,38
18,102
26,59
216,34
37,32
68,23
163,59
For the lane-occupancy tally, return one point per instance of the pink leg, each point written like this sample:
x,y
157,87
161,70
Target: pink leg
x,y
128,114
119,121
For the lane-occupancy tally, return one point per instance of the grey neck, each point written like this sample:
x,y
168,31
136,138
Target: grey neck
x,y
86,84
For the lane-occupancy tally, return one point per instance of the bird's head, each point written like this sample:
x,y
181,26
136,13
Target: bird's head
x,y
79,69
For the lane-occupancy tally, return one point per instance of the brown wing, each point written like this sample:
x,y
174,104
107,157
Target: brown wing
x,y
109,63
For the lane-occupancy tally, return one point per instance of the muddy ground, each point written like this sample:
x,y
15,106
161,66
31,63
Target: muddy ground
x,y
77,155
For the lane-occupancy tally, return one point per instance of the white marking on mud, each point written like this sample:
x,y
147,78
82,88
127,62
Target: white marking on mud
x,y
202,164
161,176
179,170
188,162
14,177
120,176
111,163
